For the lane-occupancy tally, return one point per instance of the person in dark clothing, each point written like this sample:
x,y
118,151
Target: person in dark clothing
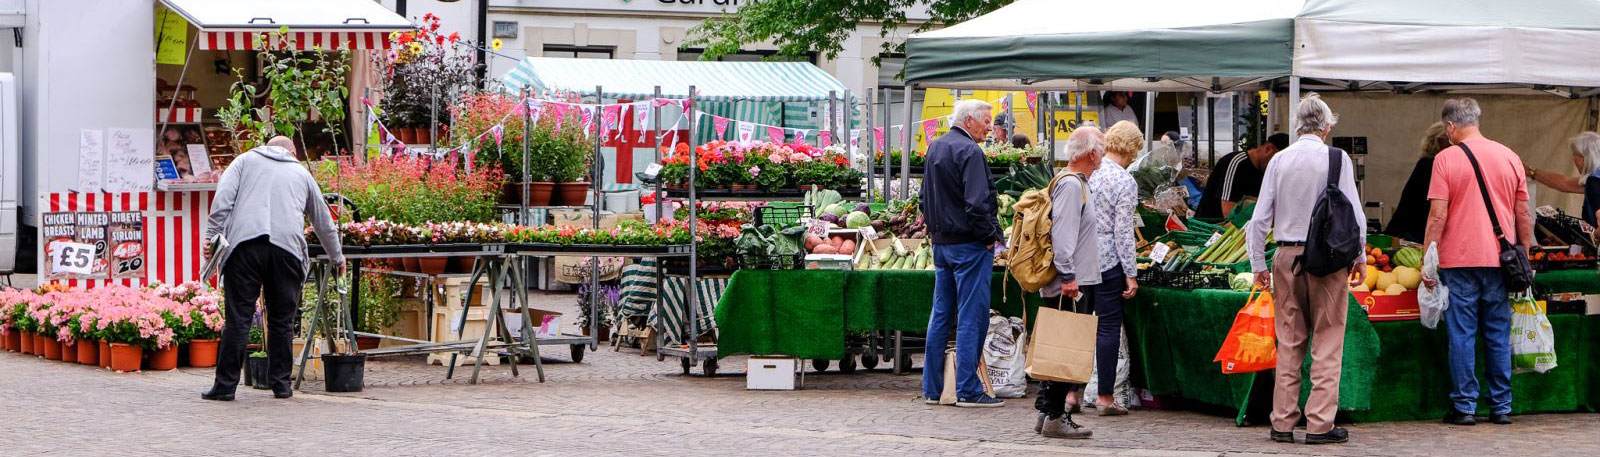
x,y
958,205
1236,176
1020,141
1586,157
257,234
1410,218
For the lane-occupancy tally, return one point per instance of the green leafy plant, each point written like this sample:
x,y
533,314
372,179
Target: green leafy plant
x,y
294,87
380,303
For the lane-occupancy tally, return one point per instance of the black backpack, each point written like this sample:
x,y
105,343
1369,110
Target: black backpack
x,y
1334,240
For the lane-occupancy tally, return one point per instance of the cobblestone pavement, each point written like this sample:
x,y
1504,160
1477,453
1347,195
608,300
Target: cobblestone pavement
x,y
621,403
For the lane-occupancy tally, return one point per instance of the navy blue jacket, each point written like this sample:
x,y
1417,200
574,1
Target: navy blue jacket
x,y
958,197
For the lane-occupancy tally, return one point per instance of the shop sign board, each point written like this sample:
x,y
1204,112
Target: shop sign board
x,y
127,253
94,244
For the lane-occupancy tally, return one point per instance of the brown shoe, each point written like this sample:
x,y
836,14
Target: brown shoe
x,y
1063,427
1111,410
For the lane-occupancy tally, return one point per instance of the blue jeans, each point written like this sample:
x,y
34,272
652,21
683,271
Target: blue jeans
x,y
961,276
1478,301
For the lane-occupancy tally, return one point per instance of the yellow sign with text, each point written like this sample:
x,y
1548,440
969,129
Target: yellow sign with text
x,y
172,37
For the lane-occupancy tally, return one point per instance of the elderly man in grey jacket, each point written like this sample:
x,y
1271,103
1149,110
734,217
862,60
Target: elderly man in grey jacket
x,y
1076,252
260,208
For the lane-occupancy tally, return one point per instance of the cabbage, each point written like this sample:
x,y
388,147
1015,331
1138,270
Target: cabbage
x,y
1242,282
829,217
857,219
837,209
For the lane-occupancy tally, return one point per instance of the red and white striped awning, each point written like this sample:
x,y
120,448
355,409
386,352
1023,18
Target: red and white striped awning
x,y
311,24
301,41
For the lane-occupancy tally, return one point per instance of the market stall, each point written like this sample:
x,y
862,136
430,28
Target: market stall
x,y
127,154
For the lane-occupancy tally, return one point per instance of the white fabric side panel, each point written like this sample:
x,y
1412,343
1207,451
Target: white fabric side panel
x,y
1388,52
1047,17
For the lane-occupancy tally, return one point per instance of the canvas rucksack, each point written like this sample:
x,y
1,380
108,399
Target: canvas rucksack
x,y
1333,241
1030,254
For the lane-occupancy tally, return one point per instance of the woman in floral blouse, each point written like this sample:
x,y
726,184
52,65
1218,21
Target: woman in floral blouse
x,y
1116,195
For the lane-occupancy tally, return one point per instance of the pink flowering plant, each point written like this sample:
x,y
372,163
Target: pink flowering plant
x,y
197,311
14,305
133,316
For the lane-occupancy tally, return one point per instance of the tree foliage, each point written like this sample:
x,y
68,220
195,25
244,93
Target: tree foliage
x,y
800,27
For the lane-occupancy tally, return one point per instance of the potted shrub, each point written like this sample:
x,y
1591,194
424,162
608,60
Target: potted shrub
x,y
296,87
197,321
133,327
342,370
570,156
44,339
475,114
419,76
255,344
258,371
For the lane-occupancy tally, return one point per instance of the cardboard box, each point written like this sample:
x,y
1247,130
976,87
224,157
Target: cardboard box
x,y
1592,304
770,373
1390,307
581,218
828,262
547,324
880,245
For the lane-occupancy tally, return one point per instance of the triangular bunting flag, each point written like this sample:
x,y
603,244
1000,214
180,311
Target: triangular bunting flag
x,y
720,124
929,127
775,134
800,135
747,131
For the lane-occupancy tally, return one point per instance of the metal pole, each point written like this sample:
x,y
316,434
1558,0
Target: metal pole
x,y
1149,119
905,155
1211,129
694,256
1294,101
527,132
433,120
887,98
828,115
655,135
595,180
841,129
1048,107
872,152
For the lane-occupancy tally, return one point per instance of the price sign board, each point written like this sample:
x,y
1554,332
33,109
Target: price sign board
x,y
91,230
57,227
127,256
1158,253
72,258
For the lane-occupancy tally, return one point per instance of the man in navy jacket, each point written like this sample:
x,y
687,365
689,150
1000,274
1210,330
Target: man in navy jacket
x,y
958,205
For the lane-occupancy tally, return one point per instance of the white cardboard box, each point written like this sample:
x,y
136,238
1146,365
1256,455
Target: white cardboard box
x,y
770,373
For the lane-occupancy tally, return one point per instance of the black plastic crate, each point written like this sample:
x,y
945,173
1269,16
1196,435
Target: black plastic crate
x,y
771,262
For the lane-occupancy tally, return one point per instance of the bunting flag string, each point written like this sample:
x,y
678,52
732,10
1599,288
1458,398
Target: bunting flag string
x,y
929,127
721,125
747,131
1033,102
878,132
825,138
800,135
775,134
610,115
855,138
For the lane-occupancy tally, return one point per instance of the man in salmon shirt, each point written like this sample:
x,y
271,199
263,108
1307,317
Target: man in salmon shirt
x,y
1469,257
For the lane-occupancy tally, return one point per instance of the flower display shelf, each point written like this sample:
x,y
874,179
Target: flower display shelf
x,y
414,250
549,249
725,194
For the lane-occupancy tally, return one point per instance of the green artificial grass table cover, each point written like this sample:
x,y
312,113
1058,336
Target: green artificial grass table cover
x,y
1391,371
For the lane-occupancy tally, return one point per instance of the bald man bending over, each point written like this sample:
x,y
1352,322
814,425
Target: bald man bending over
x,y
261,205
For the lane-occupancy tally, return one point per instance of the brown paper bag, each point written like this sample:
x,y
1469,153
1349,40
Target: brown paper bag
x,y
948,395
1062,348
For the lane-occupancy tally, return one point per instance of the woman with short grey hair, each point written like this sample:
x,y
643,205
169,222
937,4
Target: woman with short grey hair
x,y
1586,158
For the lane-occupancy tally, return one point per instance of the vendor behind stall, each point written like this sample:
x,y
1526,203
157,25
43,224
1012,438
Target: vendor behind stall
x,y
1411,216
1586,158
1236,176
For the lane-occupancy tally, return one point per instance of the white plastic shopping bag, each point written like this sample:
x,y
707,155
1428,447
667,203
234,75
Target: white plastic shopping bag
x,y
1002,353
1533,341
1432,302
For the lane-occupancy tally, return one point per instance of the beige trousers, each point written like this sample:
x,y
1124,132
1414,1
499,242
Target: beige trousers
x,y
1310,310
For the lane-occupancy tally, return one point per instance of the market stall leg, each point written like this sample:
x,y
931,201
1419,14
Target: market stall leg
x,y
478,270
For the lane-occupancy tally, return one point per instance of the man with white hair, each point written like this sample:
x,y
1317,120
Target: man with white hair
x,y
1076,249
958,205
260,208
1478,200
1304,302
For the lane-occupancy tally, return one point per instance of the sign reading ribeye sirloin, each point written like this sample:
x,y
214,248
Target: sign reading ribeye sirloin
x,y
127,254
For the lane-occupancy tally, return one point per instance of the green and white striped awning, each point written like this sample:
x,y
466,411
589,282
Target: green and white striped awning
x,y
714,81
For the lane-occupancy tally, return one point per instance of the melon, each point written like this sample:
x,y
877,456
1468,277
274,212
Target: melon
x,y
1385,280
1372,276
1407,277
1361,288
1395,289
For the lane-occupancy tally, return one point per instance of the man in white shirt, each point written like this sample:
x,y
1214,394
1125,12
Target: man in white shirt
x,y
1304,302
1117,111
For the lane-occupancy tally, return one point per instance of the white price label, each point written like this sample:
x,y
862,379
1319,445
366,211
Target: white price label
x,y
1214,237
1574,250
1159,253
69,257
652,170
816,227
868,233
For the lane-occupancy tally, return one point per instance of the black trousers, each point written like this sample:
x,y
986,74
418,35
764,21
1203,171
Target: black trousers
x,y
258,267
1105,301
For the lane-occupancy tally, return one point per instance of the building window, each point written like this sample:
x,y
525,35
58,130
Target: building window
x,y
579,52
504,29
747,56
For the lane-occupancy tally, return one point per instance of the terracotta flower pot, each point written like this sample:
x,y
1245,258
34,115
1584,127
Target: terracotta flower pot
x,y
203,353
573,193
410,264
89,352
13,341
165,358
539,193
395,264
105,354
364,342
511,193
25,342
69,352
433,265
125,357
52,348
406,134
423,134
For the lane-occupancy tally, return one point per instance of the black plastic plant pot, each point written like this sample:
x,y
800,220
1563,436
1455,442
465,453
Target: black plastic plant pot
x,y
344,371
260,374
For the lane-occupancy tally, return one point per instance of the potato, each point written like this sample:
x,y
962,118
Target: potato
x,y
812,241
848,247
